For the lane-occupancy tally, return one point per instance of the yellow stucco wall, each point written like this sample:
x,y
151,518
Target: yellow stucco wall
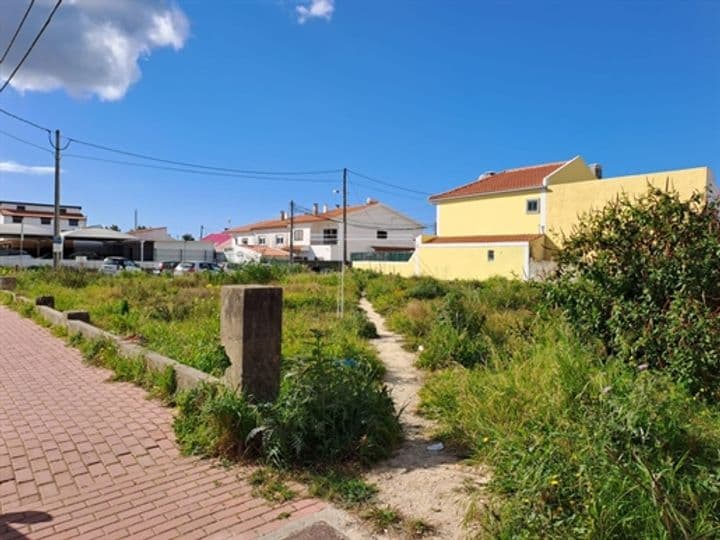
x,y
504,213
573,170
404,269
566,201
471,262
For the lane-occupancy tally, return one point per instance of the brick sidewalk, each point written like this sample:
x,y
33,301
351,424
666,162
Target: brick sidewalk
x,y
84,458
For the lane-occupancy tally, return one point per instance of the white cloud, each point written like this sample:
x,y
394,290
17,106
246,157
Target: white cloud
x,y
13,167
316,9
91,47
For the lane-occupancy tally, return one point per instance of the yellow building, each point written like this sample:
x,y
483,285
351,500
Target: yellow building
x,y
507,223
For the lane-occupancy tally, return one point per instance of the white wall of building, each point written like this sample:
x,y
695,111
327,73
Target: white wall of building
x,y
373,226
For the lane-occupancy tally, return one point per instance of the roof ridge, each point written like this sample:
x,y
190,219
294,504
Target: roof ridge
x,y
496,174
534,166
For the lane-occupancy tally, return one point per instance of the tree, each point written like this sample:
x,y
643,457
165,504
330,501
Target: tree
x,y
187,237
644,276
114,228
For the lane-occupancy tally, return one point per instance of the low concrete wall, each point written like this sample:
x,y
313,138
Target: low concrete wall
x,y
186,377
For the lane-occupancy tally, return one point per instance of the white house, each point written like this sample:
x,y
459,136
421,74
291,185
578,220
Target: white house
x,y
317,235
41,215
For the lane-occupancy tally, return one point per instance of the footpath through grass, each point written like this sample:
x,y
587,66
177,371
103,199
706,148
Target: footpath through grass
x,y
580,443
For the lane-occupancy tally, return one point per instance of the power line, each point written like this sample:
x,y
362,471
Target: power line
x,y
17,31
18,139
388,192
202,172
390,184
199,166
24,120
32,45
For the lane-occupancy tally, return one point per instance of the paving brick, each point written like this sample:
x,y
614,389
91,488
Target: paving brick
x,y
101,459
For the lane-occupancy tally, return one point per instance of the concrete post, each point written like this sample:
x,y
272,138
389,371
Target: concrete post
x,y
251,331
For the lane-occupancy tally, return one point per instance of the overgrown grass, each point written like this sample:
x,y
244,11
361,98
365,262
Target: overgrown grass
x,y
584,448
179,317
580,444
329,411
161,384
453,323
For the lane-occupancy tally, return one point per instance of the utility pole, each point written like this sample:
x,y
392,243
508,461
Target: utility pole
x,y
202,232
57,240
344,247
136,222
292,231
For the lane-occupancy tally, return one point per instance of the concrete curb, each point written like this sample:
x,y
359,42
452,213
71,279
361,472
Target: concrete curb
x,y
74,321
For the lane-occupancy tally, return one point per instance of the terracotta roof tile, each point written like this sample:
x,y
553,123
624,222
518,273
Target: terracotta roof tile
x,y
487,239
302,218
40,213
509,180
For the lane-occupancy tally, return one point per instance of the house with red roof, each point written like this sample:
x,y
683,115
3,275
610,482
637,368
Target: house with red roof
x,y
510,222
317,234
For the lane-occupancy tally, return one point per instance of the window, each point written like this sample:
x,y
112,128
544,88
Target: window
x,y
63,210
330,237
532,206
298,235
17,219
491,255
279,240
381,235
45,221
244,241
21,207
73,222
261,240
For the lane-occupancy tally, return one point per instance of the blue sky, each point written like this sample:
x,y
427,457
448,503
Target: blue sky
x,y
424,94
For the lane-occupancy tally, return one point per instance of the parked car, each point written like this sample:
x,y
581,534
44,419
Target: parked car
x,y
116,265
165,267
190,267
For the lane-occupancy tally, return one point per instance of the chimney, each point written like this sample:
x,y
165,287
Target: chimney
x,y
325,208
596,168
315,209
370,200
283,215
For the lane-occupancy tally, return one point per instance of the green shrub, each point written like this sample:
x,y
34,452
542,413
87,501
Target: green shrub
x,y
426,288
644,277
330,411
457,335
215,421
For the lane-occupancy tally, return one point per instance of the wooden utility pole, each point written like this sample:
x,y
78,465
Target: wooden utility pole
x,y
57,240
292,231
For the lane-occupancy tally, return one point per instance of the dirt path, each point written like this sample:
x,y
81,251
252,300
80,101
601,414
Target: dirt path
x,y
421,483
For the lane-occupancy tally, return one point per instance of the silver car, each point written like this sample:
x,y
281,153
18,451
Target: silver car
x,y
117,265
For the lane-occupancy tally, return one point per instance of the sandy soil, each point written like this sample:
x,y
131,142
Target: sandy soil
x,y
422,484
